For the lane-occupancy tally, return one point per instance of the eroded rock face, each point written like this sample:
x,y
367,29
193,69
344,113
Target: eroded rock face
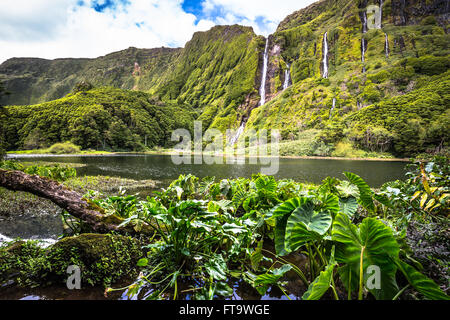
x,y
405,12
275,70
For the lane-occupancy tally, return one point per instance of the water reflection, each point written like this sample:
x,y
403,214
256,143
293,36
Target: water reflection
x,y
161,167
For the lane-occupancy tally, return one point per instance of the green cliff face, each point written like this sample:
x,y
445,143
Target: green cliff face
x,y
404,60
33,81
216,75
386,87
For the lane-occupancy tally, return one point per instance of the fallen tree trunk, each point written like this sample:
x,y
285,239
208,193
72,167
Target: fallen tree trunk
x,y
65,198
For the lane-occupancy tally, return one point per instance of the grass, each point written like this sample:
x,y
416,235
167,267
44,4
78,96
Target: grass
x,y
46,151
46,163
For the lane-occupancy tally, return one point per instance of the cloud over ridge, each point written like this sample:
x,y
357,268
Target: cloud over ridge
x,y
91,28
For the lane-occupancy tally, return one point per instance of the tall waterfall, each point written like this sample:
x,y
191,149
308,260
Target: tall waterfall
x,y
325,56
262,92
363,53
386,45
287,76
262,89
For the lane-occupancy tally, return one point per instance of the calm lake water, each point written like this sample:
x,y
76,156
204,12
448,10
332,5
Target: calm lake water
x,y
162,168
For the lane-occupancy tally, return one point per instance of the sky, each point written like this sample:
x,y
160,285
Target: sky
x,y
91,28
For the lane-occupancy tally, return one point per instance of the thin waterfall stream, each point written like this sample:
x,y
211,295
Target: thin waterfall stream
x,y
262,92
325,56
386,45
262,89
363,52
287,76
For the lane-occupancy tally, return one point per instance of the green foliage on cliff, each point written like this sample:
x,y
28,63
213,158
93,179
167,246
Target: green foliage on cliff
x,y
399,104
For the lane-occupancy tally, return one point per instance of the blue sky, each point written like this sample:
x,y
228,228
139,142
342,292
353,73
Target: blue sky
x,y
194,7
91,28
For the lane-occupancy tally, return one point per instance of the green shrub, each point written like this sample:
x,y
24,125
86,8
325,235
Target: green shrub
x,y
430,65
427,21
379,77
63,148
345,149
371,93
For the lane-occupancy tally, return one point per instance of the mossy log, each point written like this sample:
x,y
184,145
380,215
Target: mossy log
x,y
67,199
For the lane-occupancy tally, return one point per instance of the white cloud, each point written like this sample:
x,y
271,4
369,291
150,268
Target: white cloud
x,y
61,28
54,29
263,15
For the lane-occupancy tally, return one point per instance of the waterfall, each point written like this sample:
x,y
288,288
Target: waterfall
x,y
325,56
380,16
364,22
262,90
363,53
332,108
239,131
386,45
287,76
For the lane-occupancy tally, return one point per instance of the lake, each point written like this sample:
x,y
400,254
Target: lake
x,y
162,168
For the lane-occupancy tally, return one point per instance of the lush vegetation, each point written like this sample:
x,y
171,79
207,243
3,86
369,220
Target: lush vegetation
x,y
105,118
213,231
207,235
55,172
327,241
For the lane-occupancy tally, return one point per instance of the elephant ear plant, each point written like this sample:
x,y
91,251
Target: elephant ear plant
x,y
339,249
208,233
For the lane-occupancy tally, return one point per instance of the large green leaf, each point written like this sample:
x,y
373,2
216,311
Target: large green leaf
x,y
257,256
217,267
282,213
347,234
267,183
421,283
349,206
347,189
331,204
264,281
280,235
304,225
318,222
366,194
376,242
287,207
379,242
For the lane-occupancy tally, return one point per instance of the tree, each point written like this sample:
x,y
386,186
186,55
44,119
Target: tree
x,y
410,138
